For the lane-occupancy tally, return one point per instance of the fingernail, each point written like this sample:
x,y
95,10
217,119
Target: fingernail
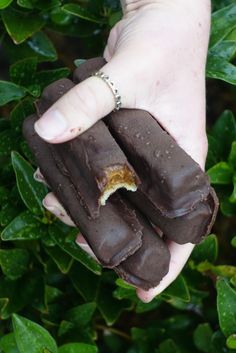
x,y
38,177
51,125
56,211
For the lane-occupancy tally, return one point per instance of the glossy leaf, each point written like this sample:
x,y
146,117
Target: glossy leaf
x,y
231,342
4,3
44,78
61,259
223,22
81,315
206,250
21,111
77,10
202,337
224,130
221,69
232,197
8,344
10,92
22,72
14,262
226,306
221,173
31,337
32,192
20,25
178,289
24,227
66,241
42,46
77,348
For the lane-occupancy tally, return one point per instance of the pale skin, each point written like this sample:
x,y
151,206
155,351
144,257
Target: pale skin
x,y
156,56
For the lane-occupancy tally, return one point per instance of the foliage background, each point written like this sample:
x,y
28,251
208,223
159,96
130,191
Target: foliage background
x,y
53,297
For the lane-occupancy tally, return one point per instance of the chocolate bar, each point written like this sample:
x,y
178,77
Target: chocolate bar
x,y
189,228
114,235
171,180
168,166
97,165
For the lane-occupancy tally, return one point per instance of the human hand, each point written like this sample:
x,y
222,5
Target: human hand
x,y
156,56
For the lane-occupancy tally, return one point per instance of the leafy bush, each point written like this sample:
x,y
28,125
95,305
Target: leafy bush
x,y
54,297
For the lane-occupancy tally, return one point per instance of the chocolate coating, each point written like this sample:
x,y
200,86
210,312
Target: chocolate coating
x,y
115,234
90,158
171,180
189,228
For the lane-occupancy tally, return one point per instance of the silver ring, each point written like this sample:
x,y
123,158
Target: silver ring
x,y
111,85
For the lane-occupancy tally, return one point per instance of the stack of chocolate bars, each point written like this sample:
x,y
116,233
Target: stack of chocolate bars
x,y
120,181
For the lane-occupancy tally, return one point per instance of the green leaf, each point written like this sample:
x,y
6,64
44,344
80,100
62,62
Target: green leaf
x,y
22,72
232,197
231,342
168,346
31,337
4,124
8,142
44,78
226,306
221,70
202,337
221,173
66,241
10,92
223,22
225,50
28,4
8,344
109,307
14,262
8,213
206,250
24,227
61,259
232,156
233,242
224,130
43,47
178,289
85,282
4,3
77,10
227,208
4,194
32,192
214,152
21,25
77,348
21,111
81,315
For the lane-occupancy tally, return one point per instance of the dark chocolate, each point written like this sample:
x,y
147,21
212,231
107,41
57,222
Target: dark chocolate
x,y
170,178
97,165
141,272
189,228
115,234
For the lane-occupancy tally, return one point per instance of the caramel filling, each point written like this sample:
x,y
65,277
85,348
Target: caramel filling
x,y
117,178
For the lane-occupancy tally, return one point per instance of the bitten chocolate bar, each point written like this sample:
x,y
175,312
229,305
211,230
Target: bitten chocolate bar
x,y
116,234
174,192
97,165
171,180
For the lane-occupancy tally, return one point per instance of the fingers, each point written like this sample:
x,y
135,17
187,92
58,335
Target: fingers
x,y
179,256
51,203
82,106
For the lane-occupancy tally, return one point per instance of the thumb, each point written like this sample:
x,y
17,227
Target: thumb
x,y
81,107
